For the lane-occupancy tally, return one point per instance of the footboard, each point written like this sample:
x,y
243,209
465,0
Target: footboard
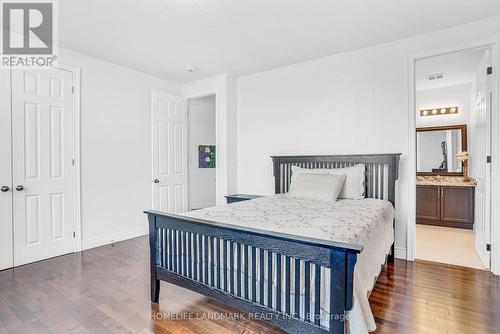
x,y
299,284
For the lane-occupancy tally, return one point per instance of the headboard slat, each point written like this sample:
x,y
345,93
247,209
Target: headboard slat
x,y
380,175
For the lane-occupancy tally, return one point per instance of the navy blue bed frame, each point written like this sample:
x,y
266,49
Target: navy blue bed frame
x,y
206,257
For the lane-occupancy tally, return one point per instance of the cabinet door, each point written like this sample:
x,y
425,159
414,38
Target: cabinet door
x,y
457,205
428,203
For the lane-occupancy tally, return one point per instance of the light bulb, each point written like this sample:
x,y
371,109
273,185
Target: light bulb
x,y
443,111
434,111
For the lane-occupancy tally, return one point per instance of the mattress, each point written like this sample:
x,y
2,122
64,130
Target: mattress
x,y
367,222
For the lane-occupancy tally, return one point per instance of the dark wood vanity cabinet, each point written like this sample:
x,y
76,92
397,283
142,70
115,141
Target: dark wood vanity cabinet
x,y
451,206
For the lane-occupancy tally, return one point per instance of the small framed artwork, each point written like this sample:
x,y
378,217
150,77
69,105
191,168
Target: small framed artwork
x,y
206,156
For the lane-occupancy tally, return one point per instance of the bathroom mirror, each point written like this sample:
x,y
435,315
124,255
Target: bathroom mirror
x,y
437,149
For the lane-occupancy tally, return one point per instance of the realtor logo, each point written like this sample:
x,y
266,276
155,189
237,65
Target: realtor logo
x,y
28,33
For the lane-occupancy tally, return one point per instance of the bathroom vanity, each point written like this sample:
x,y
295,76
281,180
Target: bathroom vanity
x,y
445,201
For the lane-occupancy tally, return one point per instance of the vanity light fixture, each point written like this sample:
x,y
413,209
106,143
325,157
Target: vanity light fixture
x,y
439,111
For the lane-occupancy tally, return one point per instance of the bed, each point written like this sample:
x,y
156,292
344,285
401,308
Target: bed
x,y
288,261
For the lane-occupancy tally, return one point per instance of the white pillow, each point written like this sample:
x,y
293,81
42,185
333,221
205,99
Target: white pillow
x,y
317,186
354,185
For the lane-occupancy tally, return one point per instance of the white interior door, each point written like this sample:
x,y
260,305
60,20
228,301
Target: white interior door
x,y
6,255
42,142
482,149
169,152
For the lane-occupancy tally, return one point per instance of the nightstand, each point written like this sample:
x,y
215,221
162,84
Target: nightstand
x,y
240,197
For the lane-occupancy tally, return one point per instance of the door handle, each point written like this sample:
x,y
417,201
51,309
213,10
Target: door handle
x,y
20,187
156,181
4,189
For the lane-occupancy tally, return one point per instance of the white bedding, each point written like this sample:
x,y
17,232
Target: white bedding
x,y
367,222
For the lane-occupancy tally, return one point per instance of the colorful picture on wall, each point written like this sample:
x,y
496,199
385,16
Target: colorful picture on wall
x,y
206,156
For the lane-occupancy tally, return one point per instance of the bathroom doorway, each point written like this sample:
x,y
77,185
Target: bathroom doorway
x,y
453,104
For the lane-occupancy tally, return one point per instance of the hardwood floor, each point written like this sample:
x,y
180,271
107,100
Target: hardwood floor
x,y
430,297
106,290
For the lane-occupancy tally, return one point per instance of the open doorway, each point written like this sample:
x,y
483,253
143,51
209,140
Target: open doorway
x,y
453,96
202,152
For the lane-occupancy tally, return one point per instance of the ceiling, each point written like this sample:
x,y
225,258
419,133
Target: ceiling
x,y
240,36
458,68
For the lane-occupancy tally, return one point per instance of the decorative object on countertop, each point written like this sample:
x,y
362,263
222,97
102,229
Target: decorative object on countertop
x,y
439,180
206,156
463,157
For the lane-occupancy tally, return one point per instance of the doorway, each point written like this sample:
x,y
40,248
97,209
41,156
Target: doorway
x,y
202,152
453,108
183,157
39,197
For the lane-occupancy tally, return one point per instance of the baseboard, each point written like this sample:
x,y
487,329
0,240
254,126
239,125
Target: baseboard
x,y
400,253
115,237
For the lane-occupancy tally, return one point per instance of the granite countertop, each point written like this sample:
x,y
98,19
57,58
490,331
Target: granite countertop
x,y
439,180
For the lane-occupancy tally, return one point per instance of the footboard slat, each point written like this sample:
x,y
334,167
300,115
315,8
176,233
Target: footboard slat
x,y
287,285
174,247
205,259
189,260
245,275
270,279
217,255
184,254
317,294
296,270
211,249
231,267
195,257
307,290
261,276
254,276
200,258
278,282
170,256
238,270
224,272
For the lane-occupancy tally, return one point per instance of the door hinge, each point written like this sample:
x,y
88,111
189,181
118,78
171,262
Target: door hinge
x,y
489,70
73,162
488,247
488,159
72,90
74,234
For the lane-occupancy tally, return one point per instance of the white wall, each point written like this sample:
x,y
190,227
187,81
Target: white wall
x,y
452,96
349,103
115,147
202,181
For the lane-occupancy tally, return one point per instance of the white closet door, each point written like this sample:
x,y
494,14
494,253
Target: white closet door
x,y
482,149
169,152
42,141
6,259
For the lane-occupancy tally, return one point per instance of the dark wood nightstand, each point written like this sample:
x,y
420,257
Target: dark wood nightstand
x,y
240,197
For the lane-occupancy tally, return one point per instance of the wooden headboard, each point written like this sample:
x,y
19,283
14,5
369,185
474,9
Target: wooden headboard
x,y
380,175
